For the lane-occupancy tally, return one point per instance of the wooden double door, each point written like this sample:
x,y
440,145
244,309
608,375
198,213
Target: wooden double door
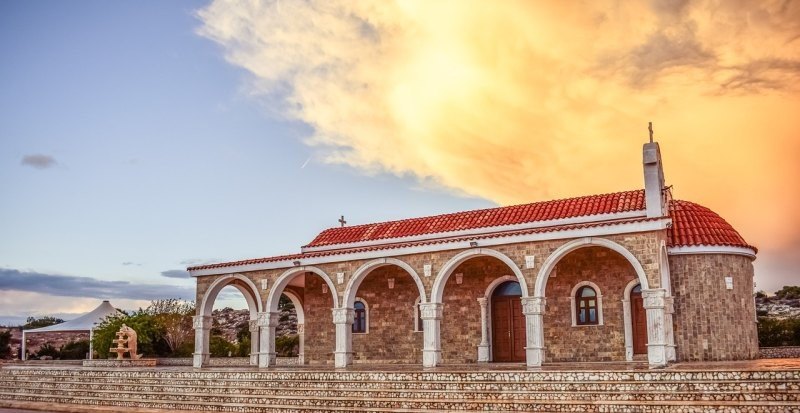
x,y
638,322
508,329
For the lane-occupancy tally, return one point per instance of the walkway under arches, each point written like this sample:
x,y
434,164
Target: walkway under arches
x,y
203,320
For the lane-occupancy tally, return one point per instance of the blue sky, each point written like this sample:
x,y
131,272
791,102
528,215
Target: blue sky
x,y
160,159
139,138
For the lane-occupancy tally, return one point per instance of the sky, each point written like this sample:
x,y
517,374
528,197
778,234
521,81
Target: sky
x,y
139,138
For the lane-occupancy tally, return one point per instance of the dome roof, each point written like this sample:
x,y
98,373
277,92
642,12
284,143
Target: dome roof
x,y
696,225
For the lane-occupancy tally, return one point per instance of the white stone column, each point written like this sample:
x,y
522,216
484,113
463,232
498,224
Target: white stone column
x,y
484,348
669,309
202,333
656,326
267,321
301,335
343,319
627,319
254,342
431,314
533,308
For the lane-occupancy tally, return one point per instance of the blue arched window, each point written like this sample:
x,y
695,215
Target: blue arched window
x,y
586,306
360,317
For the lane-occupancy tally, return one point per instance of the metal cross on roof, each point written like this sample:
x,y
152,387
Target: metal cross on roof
x,y
650,128
342,221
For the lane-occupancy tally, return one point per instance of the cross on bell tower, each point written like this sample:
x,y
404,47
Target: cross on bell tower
x,y
342,222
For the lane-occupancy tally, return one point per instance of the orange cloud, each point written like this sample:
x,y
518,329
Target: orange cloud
x,y
524,101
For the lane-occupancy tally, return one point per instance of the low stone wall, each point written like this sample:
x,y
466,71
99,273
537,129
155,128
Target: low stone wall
x,y
223,361
779,352
214,362
120,363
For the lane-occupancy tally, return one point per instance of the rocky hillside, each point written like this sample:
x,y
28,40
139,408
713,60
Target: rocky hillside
x,y
229,322
779,308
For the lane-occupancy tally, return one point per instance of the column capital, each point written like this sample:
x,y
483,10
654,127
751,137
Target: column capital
x,y
268,319
301,328
482,301
654,298
430,311
202,322
343,315
533,305
253,324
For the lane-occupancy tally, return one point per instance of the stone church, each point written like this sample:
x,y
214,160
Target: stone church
x,y
625,276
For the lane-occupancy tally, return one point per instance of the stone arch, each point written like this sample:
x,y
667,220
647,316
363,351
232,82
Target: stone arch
x,y
362,272
486,322
627,318
241,283
298,305
496,283
441,278
562,251
663,268
283,280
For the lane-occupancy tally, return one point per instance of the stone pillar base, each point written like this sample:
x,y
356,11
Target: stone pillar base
x,y
200,359
430,358
483,353
656,355
267,359
253,359
534,356
342,359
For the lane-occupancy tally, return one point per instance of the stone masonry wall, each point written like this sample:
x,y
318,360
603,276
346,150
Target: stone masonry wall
x,y
712,322
320,332
461,314
390,337
611,273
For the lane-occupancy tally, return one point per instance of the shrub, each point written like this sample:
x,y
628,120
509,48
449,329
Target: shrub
x,y
287,346
46,350
5,344
774,332
75,350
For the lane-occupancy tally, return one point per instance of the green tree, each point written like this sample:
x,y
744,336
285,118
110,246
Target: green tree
x,y
150,338
220,347
174,318
243,339
5,344
34,322
788,293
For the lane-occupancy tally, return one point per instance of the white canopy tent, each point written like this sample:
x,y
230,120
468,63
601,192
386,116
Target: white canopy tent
x,y
86,322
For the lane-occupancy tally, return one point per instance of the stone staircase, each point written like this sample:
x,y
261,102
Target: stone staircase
x,y
304,390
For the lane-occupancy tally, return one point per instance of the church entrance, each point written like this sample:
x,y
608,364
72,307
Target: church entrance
x,y
508,323
638,321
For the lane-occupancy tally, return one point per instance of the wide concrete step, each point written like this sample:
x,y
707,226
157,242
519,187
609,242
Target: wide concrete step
x,y
198,393
409,405
465,386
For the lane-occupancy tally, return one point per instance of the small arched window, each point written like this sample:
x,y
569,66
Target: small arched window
x,y
360,317
417,316
586,306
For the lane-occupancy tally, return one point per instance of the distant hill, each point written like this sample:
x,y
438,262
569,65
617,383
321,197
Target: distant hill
x,y
230,321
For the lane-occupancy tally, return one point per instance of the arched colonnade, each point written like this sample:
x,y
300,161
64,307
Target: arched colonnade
x,y
264,318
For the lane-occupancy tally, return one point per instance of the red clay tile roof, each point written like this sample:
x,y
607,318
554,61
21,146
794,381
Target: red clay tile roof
x,y
397,245
694,225
484,218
